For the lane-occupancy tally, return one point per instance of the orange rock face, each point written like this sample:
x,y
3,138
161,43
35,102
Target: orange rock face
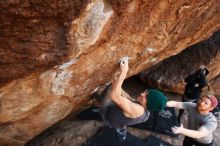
x,y
55,53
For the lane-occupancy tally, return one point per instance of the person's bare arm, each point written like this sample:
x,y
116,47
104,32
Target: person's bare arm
x,y
201,132
118,81
175,104
130,108
125,94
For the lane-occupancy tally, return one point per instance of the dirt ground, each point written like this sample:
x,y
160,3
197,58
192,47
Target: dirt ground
x,y
73,132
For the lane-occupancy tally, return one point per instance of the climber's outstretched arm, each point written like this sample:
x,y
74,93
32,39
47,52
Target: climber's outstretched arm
x,y
118,81
129,108
175,104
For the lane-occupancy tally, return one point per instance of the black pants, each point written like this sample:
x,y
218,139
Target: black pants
x,y
189,142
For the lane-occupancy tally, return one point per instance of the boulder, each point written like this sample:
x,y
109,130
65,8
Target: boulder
x,y
55,53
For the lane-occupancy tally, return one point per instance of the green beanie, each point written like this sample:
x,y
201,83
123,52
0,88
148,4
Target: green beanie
x,y
156,100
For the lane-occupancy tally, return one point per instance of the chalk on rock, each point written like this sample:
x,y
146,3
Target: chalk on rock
x,y
126,58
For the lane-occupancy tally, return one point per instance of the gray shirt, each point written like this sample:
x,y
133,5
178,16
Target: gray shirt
x,y
196,121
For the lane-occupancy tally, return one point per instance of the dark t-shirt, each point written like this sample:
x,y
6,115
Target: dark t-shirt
x,y
192,91
119,120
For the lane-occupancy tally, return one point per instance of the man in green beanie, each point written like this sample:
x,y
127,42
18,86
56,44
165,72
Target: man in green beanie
x,y
156,100
119,110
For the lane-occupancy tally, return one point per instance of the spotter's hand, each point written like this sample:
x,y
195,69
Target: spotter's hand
x,y
176,129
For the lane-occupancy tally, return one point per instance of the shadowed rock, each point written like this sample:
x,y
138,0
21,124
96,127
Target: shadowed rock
x,y
169,74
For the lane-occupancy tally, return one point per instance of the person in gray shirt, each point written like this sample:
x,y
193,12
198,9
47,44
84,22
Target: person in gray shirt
x,y
201,122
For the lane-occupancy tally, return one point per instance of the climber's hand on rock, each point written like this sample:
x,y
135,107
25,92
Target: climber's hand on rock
x,y
124,65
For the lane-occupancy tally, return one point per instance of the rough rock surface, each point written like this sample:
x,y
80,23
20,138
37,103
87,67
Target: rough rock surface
x,y
54,53
169,74
215,83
